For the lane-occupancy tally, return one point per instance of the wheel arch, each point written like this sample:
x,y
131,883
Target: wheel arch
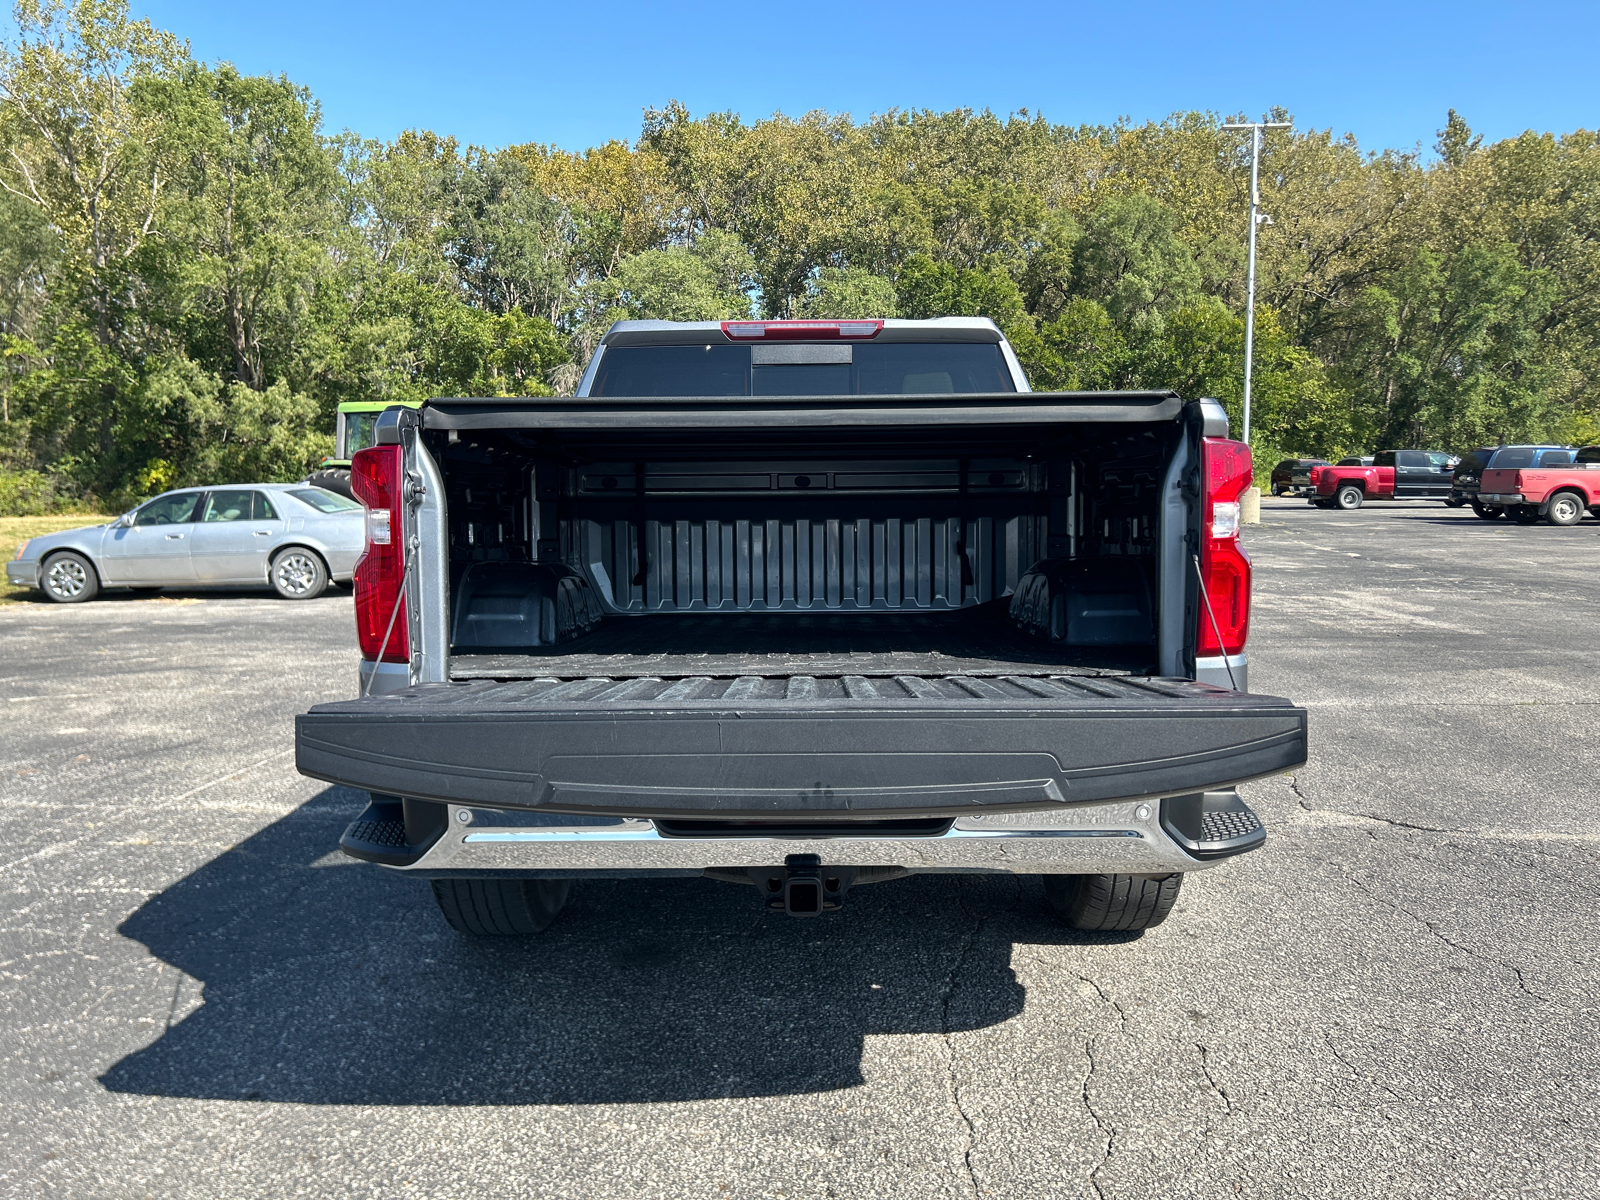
x,y
1568,490
92,559
298,544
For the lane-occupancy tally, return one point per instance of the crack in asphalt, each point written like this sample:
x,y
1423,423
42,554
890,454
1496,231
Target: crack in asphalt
x,y
1100,1123
1300,797
1357,1071
947,993
1205,1065
1104,1126
1433,928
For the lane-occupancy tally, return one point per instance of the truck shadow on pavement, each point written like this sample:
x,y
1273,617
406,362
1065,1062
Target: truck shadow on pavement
x,y
332,982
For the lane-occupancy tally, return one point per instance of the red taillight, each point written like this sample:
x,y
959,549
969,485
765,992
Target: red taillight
x,y
375,478
1516,482
1224,566
779,331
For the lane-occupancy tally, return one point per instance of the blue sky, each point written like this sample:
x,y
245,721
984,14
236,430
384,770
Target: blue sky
x,y
575,75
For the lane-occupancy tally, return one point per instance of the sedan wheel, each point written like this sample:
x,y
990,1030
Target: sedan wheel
x,y
298,574
69,579
1565,509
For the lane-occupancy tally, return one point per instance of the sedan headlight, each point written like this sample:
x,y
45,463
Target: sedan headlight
x,y
21,550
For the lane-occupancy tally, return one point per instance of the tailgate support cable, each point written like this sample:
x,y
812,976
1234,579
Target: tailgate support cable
x,y
1206,599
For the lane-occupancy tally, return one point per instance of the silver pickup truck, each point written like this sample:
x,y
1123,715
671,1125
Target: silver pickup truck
x,y
803,606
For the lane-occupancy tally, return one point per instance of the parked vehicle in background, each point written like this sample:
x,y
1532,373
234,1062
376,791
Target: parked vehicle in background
x,y
1393,475
1359,460
1467,480
1559,493
289,537
352,431
867,607
1292,477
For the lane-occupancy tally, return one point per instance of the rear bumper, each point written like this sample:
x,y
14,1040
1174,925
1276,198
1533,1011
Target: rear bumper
x,y
1088,839
814,748
1503,498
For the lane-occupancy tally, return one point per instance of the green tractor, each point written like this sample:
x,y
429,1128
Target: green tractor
x,y
353,430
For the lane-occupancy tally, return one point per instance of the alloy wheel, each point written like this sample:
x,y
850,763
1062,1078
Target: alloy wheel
x,y
66,578
295,574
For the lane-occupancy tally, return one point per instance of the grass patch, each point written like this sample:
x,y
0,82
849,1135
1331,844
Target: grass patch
x,y
16,530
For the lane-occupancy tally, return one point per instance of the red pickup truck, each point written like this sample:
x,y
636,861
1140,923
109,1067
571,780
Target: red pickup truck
x,y
1393,475
1561,495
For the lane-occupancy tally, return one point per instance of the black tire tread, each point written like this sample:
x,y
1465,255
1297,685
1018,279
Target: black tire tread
x,y
500,907
1113,903
333,479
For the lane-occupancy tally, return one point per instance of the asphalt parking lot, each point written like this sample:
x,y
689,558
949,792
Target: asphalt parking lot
x,y
1395,997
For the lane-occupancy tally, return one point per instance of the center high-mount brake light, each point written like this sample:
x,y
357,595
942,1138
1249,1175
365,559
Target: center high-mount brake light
x,y
781,331
377,479
1224,622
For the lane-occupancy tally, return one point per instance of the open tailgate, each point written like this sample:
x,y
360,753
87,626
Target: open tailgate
x,y
819,747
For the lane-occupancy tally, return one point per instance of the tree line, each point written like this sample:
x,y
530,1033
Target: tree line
x,y
193,272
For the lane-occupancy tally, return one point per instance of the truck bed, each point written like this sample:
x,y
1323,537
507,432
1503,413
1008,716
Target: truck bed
x,y
978,641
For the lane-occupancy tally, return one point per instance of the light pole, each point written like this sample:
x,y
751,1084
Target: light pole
x,y
1256,217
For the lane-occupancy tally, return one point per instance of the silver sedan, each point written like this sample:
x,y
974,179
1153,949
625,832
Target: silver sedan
x,y
287,536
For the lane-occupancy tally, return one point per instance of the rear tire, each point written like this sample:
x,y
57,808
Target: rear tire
x,y
1455,503
1524,514
1349,497
334,479
1489,512
1112,903
500,907
298,574
68,578
1566,508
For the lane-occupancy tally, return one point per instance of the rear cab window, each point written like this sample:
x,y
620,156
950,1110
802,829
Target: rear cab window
x,y
1513,456
804,369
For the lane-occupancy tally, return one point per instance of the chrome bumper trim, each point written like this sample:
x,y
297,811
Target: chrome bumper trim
x,y
1116,837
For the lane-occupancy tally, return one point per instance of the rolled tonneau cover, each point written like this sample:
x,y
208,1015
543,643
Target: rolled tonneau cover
x,y
802,746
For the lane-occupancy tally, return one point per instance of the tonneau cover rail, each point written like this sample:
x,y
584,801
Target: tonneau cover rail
x,y
790,412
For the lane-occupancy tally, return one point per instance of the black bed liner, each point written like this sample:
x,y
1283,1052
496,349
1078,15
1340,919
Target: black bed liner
x,y
756,746
972,641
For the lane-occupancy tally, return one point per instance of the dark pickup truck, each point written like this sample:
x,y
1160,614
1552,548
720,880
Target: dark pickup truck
x,y
803,606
